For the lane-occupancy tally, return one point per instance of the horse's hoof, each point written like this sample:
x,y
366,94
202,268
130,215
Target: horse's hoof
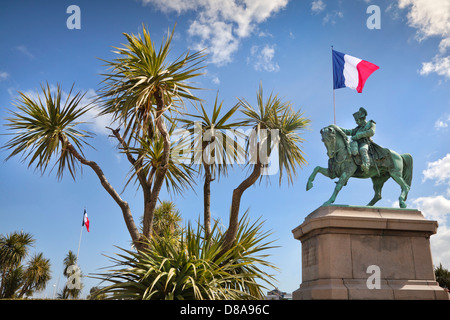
x,y
309,185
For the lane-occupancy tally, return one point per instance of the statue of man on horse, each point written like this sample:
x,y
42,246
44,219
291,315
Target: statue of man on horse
x,y
362,158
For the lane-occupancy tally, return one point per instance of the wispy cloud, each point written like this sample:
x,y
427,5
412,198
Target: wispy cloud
x,y
219,26
4,75
24,50
262,58
317,6
331,17
442,123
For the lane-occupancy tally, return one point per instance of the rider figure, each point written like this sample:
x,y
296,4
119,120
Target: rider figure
x,y
361,137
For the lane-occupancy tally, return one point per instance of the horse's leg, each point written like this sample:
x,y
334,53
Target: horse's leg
x,y
316,170
378,182
405,188
342,182
396,174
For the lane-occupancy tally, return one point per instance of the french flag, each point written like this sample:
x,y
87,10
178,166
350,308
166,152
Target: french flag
x,y
85,220
350,72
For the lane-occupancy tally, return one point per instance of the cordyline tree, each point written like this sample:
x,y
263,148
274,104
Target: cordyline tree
x,y
144,93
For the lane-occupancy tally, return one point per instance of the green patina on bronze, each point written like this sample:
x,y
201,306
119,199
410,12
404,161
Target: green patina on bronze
x,y
362,158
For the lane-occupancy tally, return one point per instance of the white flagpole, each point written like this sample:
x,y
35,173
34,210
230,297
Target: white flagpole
x,y
79,241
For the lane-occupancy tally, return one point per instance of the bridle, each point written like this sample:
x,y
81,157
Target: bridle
x,y
333,152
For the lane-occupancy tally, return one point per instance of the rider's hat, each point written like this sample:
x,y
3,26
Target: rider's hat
x,y
361,113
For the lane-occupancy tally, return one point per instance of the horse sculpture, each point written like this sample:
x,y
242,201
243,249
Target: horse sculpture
x,y
384,164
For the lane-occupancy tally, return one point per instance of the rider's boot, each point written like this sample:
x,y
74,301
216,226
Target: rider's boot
x,y
365,166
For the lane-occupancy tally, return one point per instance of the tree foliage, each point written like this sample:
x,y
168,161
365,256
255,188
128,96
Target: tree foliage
x,y
19,279
193,268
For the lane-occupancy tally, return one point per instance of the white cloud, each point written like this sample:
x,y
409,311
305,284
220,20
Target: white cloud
x,y
3,75
317,6
262,58
24,50
442,123
216,80
440,246
220,25
439,65
431,19
434,207
332,16
438,170
437,208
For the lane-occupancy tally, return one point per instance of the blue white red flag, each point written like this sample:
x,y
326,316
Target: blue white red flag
x,y
85,220
350,72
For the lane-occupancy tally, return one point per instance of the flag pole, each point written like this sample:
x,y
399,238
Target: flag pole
x,y
334,98
79,241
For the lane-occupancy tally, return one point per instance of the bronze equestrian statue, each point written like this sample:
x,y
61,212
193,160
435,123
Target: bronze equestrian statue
x,y
362,158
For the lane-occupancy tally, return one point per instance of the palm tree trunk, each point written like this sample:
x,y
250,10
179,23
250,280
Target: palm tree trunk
x,y
150,203
233,226
207,200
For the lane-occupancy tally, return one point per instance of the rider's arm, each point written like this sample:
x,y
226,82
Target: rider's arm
x,y
366,133
348,132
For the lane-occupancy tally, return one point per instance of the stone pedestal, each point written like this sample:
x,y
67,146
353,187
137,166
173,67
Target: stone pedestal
x,y
367,253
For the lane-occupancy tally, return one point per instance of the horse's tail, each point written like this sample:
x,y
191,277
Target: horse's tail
x,y
407,173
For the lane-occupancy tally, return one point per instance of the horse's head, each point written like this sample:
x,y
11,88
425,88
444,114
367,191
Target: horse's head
x,y
334,139
329,139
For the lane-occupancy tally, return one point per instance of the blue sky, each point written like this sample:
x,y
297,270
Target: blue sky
x,y
283,44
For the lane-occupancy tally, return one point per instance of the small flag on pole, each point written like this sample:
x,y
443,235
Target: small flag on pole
x,y
85,220
350,72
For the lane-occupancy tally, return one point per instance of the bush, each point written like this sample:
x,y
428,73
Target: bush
x,y
193,268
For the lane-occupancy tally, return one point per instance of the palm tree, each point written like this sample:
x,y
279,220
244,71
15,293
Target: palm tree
x,y
36,275
140,88
18,280
13,250
69,261
217,149
272,116
167,220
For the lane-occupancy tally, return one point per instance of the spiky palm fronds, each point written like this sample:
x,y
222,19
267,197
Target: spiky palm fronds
x,y
42,128
215,138
140,76
195,269
277,117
